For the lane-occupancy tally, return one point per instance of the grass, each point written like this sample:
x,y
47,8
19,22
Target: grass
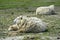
x,y
7,19
26,3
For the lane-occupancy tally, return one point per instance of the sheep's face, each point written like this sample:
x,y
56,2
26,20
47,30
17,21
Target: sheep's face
x,y
13,28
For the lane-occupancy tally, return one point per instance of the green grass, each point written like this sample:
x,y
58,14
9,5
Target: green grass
x,y
26,3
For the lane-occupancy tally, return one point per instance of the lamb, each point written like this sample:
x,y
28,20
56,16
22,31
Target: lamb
x,y
30,24
45,10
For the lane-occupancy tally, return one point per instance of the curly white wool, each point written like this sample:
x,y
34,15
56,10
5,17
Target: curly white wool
x,y
40,25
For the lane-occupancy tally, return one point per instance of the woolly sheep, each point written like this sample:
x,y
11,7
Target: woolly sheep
x,y
45,10
31,24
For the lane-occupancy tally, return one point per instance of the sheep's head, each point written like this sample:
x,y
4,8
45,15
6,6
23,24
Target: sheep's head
x,y
13,28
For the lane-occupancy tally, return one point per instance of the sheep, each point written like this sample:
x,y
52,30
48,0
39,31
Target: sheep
x,y
30,24
45,10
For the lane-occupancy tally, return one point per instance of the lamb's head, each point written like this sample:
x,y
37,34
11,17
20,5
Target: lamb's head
x,y
13,28
51,7
17,20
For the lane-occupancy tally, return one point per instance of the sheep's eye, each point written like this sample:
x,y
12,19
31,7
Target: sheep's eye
x,y
21,17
